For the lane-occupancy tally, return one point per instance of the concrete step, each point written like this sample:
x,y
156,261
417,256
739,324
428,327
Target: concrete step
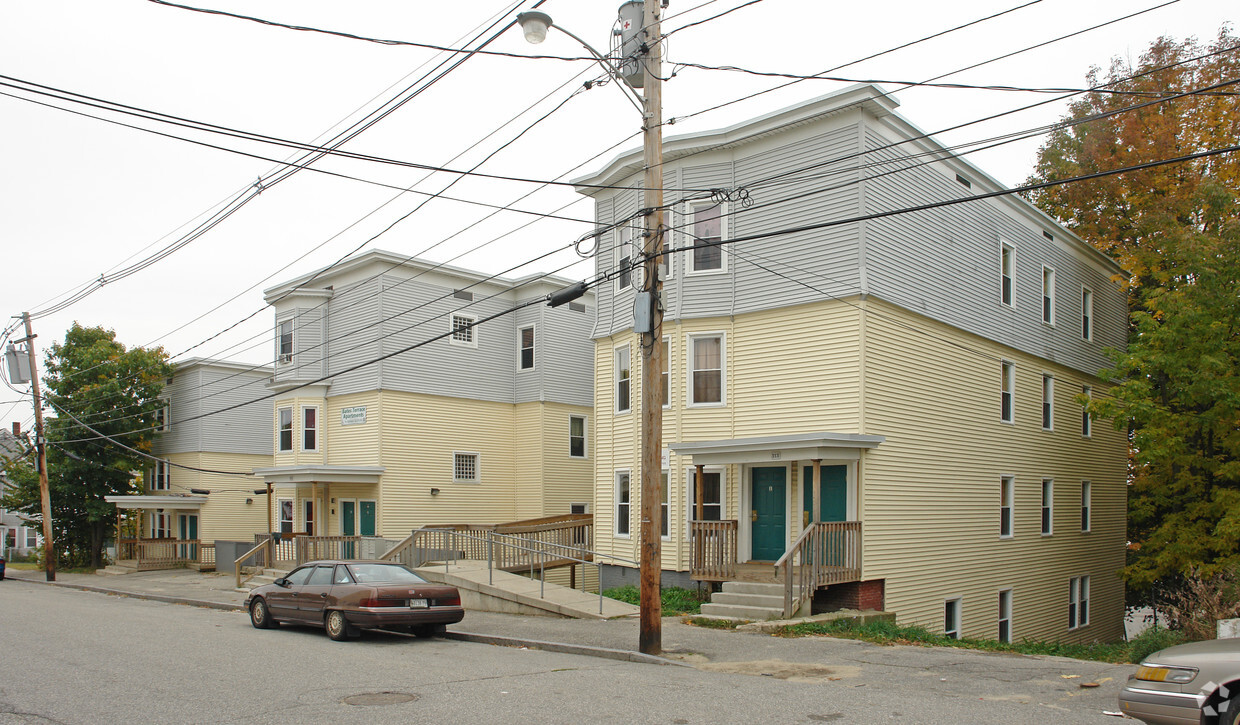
x,y
768,601
735,587
736,611
115,570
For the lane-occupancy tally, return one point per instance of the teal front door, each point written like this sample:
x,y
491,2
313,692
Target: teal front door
x,y
769,532
366,527
189,532
834,504
348,526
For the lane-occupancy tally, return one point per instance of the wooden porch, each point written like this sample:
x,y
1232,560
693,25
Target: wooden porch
x,y
156,554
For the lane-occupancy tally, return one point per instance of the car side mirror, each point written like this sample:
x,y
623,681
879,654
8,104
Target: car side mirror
x,y
281,582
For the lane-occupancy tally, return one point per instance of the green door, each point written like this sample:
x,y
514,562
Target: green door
x,y
367,526
769,532
189,531
834,493
348,526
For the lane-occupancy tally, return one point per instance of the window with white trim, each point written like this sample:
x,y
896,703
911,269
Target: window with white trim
x,y
1005,615
626,255
163,416
707,230
1007,274
1086,505
161,525
951,618
463,330
623,501
577,436
284,341
310,428
32,537
1007,400
706,375
1048,506
1087,419
667,365
307,517
623,373
465,467
1087,314
1078,602
161,476
1007,486
284,434
285,507
665,520
1048,295
712,494
1048,402
527,347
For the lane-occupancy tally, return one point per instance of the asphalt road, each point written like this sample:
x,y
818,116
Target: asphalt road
x,y
82,657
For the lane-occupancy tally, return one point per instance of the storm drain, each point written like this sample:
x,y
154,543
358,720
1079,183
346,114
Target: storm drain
x,y
379,698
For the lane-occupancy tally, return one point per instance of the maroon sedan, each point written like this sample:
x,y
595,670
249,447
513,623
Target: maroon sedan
x,y
346,596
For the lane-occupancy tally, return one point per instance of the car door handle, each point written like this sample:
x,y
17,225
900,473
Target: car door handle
x,y
324,595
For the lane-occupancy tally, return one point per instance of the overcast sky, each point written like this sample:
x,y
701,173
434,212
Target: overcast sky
x,y
80,197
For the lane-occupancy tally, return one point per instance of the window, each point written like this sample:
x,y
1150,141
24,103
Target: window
x,y
665,260
578,508
1007,262
667,364
310,429
300,576
1005,615
161,478
1048,506
284,341
1087,420
1048,402
1087,314
1086,492
707,229
32,537
1048,295
1006,486
1007,399
626,256
163,416
664,518
577,436
1078,602
286,515
465,467
623,379
161,525
951,618
706,378
463,330
712,495
623,503
527,348
307,515
284,417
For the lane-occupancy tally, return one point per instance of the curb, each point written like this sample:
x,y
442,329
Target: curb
x,y
225,606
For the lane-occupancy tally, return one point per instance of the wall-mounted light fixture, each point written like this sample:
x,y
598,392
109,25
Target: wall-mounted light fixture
x,y
434,492
199,491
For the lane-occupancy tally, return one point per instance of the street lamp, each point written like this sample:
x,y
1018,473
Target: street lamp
x,y
640,34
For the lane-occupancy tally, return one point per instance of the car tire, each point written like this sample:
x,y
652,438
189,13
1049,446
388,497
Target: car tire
x,y
260,615
1229,712
426,631
337,626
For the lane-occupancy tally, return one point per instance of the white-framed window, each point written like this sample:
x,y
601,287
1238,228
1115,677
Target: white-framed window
x,y
463,331
577,436
32,537
284,341
161,525
163,416
465,467
627,246
951,618
712,494
1007,493
310,428
624,502
665,519
706,227
1078,602
1048,507
1005,615
1007,399
527,347
1007,274
285,507
1087,420
307,517
666,266
707,379
666,376
284,433
161,476
1048,295
1087,313
1048,402
1086,505
624,379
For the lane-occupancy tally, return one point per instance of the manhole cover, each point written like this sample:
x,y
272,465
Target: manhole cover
x,y
379,698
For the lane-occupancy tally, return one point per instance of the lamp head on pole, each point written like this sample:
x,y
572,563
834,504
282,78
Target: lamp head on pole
x,y
534,24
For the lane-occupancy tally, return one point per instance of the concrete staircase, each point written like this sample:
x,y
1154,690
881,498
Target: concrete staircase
x,y
753,601
266,576
120,568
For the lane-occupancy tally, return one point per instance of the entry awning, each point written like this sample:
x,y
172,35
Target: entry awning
x,y
284,475
157,502
767,449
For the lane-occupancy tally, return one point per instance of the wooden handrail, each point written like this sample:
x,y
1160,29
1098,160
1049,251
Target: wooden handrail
x,y
237,563
398,549
828,552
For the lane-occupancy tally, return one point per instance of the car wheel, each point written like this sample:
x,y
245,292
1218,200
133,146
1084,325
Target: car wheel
x,y
260,615
426,631
337,627
1229,712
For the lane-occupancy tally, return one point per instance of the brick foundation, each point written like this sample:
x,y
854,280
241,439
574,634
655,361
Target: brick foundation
x,y
851,595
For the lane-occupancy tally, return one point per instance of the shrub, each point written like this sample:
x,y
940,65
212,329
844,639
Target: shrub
x,y
1150,641
1195,608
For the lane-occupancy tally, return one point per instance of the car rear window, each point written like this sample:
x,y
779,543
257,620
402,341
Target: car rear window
x,y
375,573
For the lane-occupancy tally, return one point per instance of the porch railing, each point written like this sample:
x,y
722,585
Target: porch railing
x,y
286,549
713,550
310,548
569,532
156,554
262,559
827,552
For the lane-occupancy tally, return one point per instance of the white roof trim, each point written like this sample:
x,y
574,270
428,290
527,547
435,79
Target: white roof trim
x,y
157,502
320,474
783,448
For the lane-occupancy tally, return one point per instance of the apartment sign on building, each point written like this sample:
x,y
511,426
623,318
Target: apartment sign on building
x,y
353,416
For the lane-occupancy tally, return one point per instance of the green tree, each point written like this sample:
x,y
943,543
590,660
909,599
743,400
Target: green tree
x,y
104,399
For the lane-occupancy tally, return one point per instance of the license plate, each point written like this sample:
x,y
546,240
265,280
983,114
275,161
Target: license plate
x,y
417,603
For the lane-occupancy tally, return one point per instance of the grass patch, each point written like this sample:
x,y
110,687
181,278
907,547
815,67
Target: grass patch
x,y
32,566
676,600
712,623
890,633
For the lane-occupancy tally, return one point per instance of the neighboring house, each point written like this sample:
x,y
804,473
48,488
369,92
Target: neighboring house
x,y
928,364
17,536
399,405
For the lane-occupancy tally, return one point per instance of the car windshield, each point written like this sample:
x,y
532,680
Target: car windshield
x,y
375,573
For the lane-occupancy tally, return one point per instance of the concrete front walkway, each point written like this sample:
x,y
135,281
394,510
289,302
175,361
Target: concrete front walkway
x,y
500,591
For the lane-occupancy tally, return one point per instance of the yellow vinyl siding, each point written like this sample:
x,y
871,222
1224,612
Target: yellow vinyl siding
x,y
530,441
225,515
564,480
298,457
352,445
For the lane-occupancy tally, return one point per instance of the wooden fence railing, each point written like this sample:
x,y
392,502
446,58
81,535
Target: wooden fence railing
x,y
310,548
713,550
828,552
156,554
286,549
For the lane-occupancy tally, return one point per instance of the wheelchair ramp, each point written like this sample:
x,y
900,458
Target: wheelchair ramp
x,y
500,591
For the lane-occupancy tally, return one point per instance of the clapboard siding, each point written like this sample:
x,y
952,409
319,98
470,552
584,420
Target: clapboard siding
x,y
202,388
225,515
355,322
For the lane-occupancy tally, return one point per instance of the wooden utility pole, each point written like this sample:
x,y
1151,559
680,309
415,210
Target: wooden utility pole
x,y
49,551
650,639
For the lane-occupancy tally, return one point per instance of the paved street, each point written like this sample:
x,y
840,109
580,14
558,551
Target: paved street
x,y
95,658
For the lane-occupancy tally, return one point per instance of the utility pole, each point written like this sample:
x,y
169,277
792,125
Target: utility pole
x,y
650,639
49,552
